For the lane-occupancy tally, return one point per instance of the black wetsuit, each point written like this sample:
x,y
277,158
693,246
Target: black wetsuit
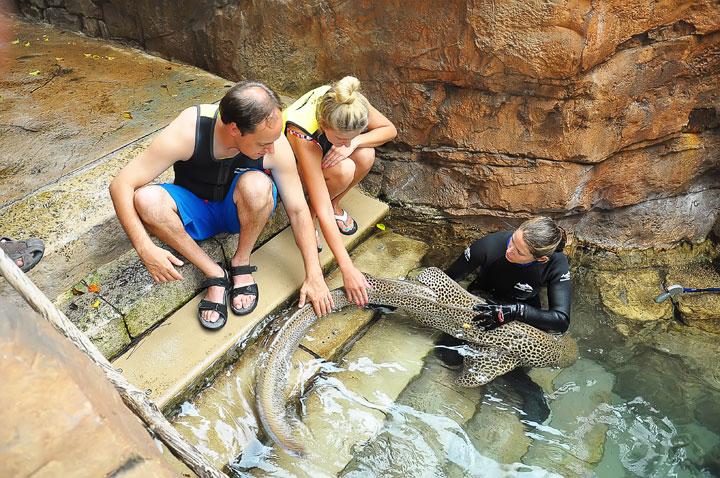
x,y
507,282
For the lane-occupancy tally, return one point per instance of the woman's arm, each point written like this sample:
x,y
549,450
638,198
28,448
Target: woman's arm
x,y
380,130
309,157
557,318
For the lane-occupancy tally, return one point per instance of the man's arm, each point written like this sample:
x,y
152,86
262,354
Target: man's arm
x,y
169,146
284,171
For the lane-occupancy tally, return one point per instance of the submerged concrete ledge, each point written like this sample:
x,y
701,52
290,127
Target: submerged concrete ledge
x,y
179,355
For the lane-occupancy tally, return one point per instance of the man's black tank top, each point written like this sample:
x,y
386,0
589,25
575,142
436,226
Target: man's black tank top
x,y
204,175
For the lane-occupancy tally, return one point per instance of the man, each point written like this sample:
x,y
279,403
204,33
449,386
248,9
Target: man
x,y
231,194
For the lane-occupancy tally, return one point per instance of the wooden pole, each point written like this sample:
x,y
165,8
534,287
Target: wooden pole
x,y
134,399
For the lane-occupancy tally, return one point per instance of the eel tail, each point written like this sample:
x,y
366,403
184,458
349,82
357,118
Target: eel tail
x,y
273,375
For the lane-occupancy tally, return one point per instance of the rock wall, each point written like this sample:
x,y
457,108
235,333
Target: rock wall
x,y
602,113
60,415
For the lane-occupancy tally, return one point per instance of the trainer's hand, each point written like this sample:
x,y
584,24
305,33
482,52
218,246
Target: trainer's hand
x,y
494,315
316,291
160,264
356,286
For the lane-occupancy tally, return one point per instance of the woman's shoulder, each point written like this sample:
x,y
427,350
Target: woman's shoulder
x,y
558,268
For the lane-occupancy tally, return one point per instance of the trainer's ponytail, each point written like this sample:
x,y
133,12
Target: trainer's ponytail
x,y
543,236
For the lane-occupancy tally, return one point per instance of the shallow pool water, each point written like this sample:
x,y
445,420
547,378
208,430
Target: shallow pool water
x,y
641,403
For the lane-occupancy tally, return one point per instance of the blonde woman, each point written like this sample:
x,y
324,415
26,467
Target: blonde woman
x,y
333,131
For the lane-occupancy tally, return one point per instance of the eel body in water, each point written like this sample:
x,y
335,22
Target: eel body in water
x,y
433,300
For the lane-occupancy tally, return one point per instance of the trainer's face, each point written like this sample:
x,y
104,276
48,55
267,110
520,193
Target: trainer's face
x,y
261,141
518,251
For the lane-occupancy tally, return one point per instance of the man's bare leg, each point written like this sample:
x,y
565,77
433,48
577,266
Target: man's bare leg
x,y
254,201
159,213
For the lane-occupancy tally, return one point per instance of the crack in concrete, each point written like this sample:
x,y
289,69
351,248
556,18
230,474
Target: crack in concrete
x,y
29,130
52,77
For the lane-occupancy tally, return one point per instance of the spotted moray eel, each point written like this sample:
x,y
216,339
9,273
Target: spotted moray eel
x,y
433,300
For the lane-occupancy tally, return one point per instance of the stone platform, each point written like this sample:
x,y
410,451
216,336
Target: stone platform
x,y
74,111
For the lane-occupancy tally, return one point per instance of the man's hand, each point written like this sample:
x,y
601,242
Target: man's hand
x,y
356,286
317,292
159,263
495,315
337,154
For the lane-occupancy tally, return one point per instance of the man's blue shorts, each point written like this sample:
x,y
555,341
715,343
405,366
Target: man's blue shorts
x,y
203,219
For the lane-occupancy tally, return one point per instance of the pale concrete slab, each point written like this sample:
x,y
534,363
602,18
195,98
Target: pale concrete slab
x,y
586,386
177,355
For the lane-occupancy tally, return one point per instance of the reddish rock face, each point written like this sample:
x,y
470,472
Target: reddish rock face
x,y
60,414
508,108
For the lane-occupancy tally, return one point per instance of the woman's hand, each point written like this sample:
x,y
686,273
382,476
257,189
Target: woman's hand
x,y
356,286
337,154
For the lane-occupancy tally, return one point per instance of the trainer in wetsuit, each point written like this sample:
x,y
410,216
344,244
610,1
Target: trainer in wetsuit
x,y
230,163
512,267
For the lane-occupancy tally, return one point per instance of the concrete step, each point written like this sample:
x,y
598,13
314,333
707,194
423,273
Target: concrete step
x,y
179,356
75,111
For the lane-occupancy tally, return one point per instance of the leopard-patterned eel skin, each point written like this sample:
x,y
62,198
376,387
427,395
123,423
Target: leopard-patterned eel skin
x,y
433,300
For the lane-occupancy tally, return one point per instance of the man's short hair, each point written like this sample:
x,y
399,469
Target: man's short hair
x,y
249,104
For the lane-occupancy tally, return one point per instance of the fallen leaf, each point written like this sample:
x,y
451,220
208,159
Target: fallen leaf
x,y
87,55
15,42
380,226
95,57
47,39
76,291
127,116
59,58
93,288
34,73
27,44
111,58
174,96
97,302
